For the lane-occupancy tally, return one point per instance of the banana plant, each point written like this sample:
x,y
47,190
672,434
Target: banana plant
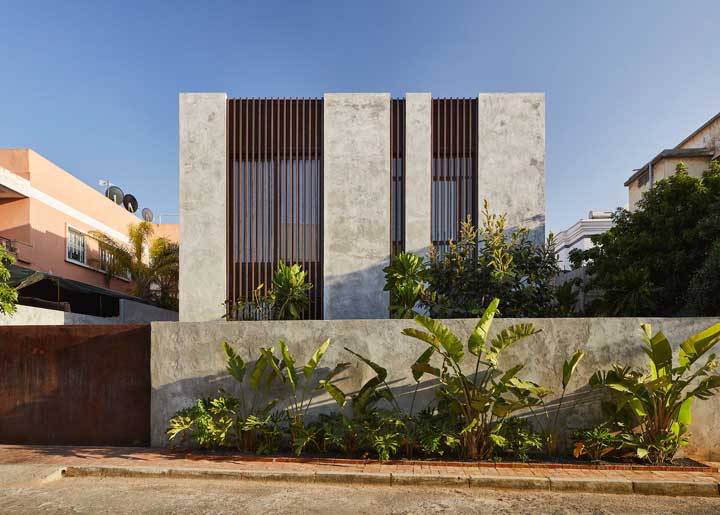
x,y
405,280
661,400
487,396
302,386
550,425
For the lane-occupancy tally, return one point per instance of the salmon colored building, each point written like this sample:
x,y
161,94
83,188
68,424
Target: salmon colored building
x,y
47,215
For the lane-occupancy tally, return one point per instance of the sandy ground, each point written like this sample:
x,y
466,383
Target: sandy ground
x,y
23,492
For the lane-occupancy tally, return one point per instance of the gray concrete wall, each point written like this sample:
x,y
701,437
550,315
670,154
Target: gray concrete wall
x,y
418,170
356,203
130,313
203,172
187,361
511,158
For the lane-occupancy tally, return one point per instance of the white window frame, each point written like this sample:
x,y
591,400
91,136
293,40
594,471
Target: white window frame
x,y
85,236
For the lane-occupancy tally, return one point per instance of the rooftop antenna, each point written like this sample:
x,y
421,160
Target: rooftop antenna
x,y
147,214
130,203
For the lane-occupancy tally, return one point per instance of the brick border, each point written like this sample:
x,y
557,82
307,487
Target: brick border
x,y
585,485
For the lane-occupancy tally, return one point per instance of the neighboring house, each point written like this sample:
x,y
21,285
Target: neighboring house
x,y
339,184
577,236
696,152
46,217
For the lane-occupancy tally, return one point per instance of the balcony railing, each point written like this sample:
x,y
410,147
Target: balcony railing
x,y
8,245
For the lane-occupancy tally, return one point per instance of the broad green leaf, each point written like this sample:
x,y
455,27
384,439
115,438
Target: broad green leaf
x,y
335,392
421,365
236,367
660,353
289,364
366,394
569,367
510,373
638,407
422,335
698,344
642,453
335,371
380,371
476,342
257,373
273,362
312,364
685,413
447,339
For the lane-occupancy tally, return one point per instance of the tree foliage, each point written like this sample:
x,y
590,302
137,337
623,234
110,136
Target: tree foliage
x,y
8,294
644,264
490,261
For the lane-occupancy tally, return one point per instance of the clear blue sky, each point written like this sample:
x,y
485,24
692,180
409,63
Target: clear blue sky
x,y
93,85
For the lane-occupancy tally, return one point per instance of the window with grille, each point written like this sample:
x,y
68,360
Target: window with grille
x,y
76,246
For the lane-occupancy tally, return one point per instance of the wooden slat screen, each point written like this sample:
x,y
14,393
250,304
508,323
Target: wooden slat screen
x,y
454,167
397,176
274,194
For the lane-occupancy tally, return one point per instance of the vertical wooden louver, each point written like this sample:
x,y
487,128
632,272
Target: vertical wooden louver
x,y
454,167
397,176
274,194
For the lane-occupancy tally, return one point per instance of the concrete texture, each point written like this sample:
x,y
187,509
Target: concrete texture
x,y
356,204
130,313
418,170
511,158
198,367
203,158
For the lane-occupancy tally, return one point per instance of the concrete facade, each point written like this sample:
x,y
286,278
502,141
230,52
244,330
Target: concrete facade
x,y
511,158
130,313
356,204
203,158
418,171
200,370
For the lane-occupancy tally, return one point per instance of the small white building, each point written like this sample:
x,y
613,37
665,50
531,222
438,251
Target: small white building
x,y
577,236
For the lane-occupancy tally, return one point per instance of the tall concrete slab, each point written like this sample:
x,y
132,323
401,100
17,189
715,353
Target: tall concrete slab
x,y
356,202
511,158
203,236
418,172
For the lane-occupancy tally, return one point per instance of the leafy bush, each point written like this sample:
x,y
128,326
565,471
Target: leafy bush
x,y
484,264
701,296
289,294
595,443
484,399
405,280
8,294
661,399
516,437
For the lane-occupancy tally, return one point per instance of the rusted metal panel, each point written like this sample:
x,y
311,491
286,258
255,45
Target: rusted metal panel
x,y
454,167
275,158
75,385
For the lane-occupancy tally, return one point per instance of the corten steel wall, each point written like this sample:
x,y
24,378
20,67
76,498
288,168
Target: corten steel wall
x,y
75,385
454,167
274,199
202,371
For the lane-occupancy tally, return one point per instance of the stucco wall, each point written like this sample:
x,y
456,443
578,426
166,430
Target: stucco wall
x,y
187,360
130,313
356,204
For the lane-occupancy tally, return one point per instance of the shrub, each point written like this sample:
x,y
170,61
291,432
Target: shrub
x,y
485,263
405,280
595,443
289,294
661,400
516,437
8,294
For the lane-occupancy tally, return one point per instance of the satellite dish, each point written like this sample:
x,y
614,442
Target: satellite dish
x,y
130,203
115,194
147,214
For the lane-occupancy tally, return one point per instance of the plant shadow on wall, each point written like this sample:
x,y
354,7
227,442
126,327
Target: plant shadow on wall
x,y
486,261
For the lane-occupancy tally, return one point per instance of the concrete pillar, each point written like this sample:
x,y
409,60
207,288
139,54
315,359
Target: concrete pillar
x,y
356,202
511,158
203,156
418,170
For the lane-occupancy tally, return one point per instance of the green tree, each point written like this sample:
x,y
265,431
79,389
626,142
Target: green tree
x,y
486,263
644,264
8,294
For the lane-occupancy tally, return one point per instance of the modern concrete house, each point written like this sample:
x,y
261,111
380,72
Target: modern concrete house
x,y
340,183
578,235
696,151
46,220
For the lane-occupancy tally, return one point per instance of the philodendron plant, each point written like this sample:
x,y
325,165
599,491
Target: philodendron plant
x,y
661,399
489,395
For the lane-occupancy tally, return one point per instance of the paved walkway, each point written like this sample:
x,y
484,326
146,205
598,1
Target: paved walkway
x,y
143,462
